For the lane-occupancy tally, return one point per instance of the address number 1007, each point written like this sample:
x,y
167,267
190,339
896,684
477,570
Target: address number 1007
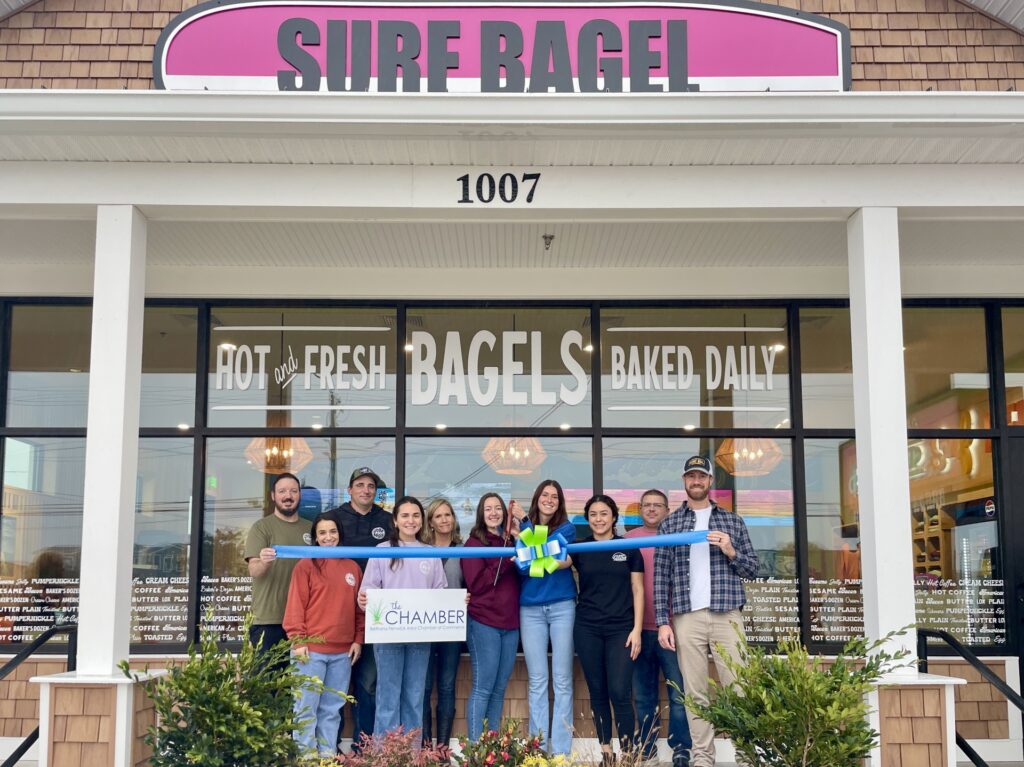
x,y
506,188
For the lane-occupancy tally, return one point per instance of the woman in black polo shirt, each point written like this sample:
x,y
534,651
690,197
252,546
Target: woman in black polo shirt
x,y
609,621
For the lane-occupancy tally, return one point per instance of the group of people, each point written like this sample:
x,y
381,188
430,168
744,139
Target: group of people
x,y
630,615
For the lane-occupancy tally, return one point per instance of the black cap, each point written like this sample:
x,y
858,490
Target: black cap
x,y
366,471
699,463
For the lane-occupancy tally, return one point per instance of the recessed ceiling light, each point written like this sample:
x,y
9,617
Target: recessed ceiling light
x,y
588,348
564,426
408,347
689,427
184,426
74,370
441,426
317,426
227,346
779,347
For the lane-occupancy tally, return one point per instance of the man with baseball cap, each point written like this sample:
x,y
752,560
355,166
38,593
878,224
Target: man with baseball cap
x,y
363,523
699,595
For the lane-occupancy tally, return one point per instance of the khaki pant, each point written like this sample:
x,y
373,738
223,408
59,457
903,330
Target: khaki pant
x,y
696,634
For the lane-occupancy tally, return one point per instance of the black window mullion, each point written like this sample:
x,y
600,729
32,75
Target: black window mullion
x,y
195,563
796,415
595,399
400,410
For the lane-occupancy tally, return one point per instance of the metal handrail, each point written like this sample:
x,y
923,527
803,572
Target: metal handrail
x,y
923,635
71,629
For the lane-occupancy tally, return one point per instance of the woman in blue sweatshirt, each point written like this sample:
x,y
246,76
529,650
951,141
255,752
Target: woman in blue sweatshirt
x,y
547,610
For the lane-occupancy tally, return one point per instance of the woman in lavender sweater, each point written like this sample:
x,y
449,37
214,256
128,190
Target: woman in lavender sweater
x,y
402,667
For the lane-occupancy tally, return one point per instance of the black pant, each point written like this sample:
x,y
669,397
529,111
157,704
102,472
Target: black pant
x,y
263,636
608,670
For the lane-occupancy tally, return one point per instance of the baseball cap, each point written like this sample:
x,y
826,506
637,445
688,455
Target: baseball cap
x,y
366,471
699,463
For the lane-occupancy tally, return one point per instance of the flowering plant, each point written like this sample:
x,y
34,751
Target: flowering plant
x,y
503,747
540,760
397,748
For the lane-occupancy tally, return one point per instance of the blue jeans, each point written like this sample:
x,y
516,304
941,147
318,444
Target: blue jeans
x,y
401,677
653,661
444,665
492,653
322,711
538,623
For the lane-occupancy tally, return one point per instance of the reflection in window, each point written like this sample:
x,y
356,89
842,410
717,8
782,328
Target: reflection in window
x,y
833,540
1013,356
237,494
160,587
168,366
509,366
462,469
40,535
317,368
946,368
763,496
958,574
690,368
826,359
48,382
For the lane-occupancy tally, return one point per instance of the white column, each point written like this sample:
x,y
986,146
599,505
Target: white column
x,y
880,403
112,439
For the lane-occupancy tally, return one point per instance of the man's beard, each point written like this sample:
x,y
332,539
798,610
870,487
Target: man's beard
x,y
288,512
697,494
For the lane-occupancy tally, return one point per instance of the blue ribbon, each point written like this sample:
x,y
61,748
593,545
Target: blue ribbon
x,y
478,552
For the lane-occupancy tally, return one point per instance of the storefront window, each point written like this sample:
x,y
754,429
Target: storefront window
x,y
168,367
315,368
693,368
946,368
48,379
762,495
1013,356
511,366
826,359
958,574
462,469
160,585
236,496
40,535
833,540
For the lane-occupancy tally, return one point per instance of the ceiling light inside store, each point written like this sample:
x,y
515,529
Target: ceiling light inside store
x,y
564,426
227,346
588,348
184,426
748,456
441,426
408,347
779,347
689,427
275,455
317,426
514,455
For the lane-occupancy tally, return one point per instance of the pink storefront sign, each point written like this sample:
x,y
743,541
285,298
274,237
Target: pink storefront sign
x,y
536,47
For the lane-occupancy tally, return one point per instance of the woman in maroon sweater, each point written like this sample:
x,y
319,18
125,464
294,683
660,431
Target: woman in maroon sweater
x,y
493,630
322,603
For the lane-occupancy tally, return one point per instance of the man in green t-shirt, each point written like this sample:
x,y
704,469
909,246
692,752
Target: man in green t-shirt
x,y
270,577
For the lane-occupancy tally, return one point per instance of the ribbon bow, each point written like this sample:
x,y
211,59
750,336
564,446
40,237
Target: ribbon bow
x,y
534,552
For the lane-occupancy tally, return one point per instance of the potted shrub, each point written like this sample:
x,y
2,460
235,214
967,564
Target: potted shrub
x,y
224,709
789,709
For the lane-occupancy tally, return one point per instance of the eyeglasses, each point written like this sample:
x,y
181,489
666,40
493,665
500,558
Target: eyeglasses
x,y
653,505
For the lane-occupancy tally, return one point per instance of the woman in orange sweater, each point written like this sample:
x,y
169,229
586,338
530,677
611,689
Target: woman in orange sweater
x,y
322,604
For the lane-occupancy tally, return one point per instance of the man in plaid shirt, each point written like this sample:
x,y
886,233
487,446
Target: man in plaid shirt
x,y
698,593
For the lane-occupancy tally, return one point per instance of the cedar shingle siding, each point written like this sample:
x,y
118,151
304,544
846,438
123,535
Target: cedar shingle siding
x,y
897,44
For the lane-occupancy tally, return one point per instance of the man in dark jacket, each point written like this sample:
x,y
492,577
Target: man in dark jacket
x,y
363,523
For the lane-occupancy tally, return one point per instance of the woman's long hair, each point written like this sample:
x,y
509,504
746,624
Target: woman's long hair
x,y
394,539
479,530
560,517
432,509
324,516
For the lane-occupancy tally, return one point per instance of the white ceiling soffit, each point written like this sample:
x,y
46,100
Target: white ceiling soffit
x,y
619,245
1010,12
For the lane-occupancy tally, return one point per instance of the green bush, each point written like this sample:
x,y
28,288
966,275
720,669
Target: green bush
x,y
221,709
789,709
